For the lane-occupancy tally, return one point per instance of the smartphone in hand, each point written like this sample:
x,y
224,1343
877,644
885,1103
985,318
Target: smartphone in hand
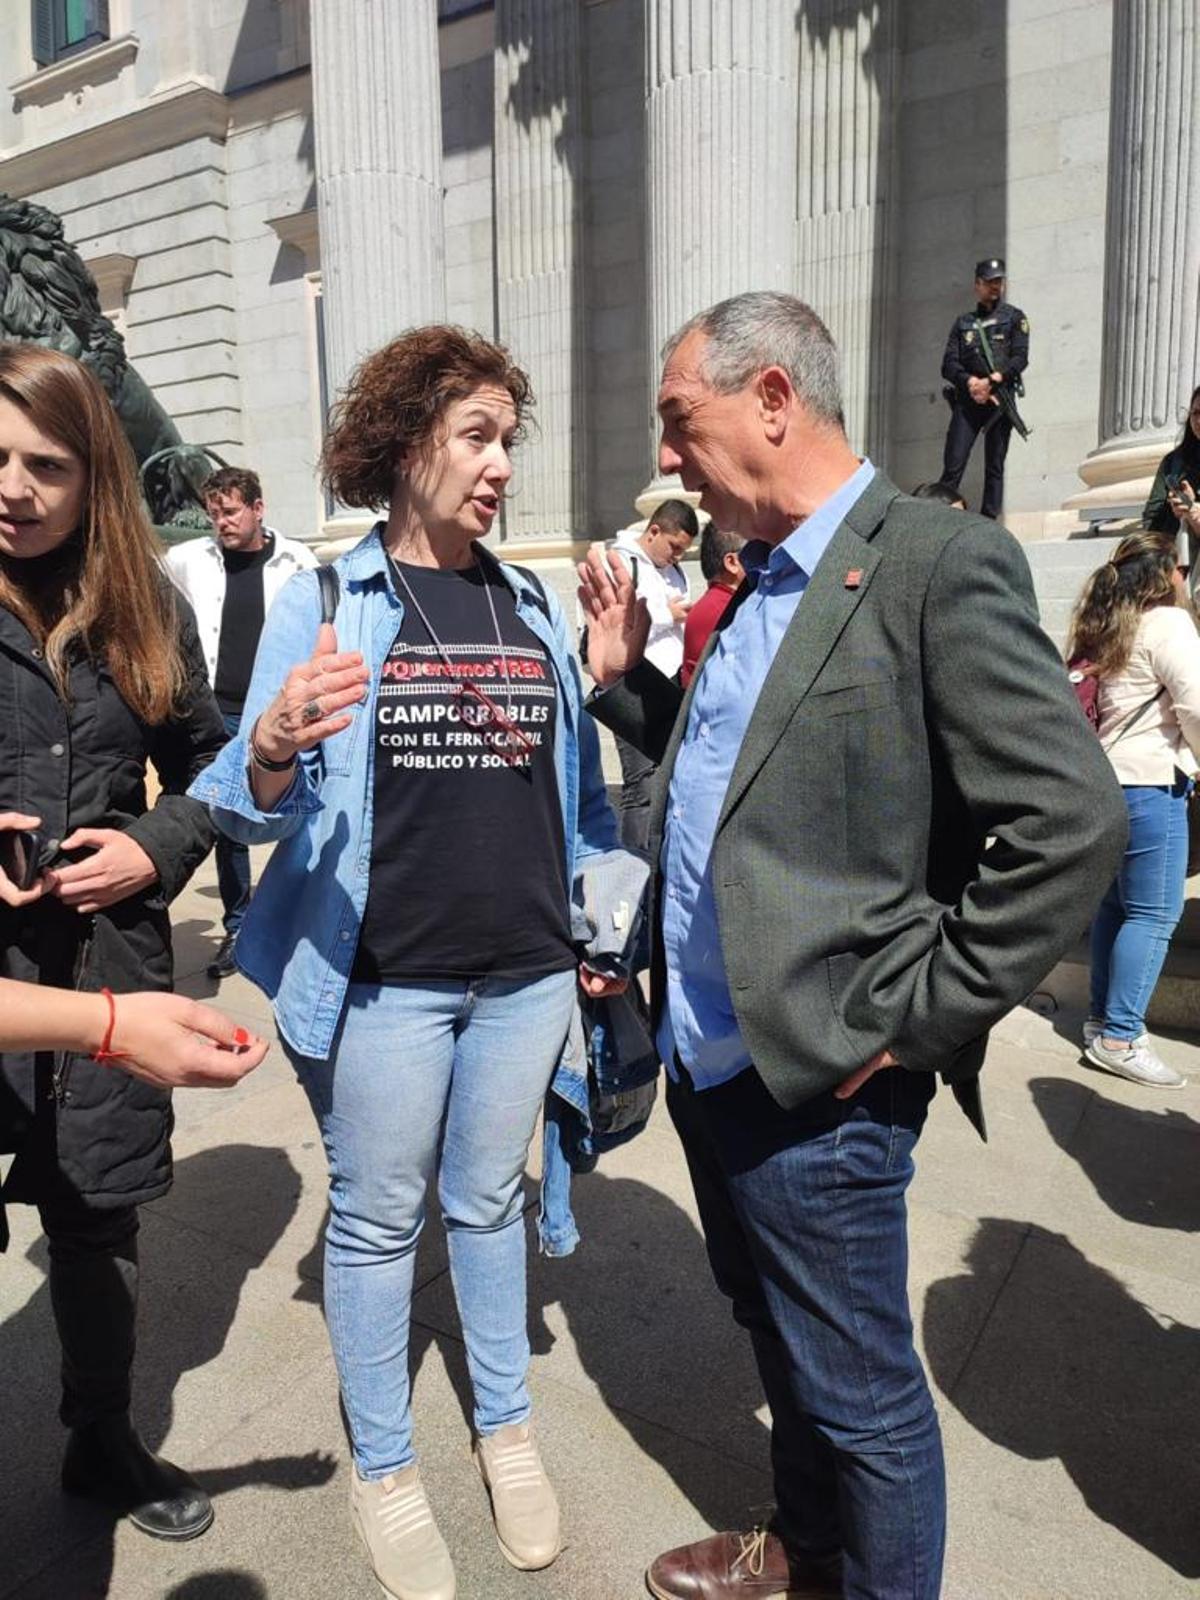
x,y
21,852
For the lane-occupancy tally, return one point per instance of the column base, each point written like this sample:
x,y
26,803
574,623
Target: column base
x,y
1119,476
666,486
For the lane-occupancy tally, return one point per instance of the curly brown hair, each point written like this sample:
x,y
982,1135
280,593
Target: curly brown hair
x,y
396,400
1134,579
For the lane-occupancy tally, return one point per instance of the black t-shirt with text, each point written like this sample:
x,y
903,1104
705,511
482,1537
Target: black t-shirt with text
x,y
468,871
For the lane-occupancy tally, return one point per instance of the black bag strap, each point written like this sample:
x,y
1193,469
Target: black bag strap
x,y
331,591
1134,716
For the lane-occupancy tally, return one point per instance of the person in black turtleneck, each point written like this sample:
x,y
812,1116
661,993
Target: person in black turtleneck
x,y
1173,498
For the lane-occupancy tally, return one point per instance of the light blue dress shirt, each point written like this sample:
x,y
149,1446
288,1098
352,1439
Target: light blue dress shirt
x,y
698,1020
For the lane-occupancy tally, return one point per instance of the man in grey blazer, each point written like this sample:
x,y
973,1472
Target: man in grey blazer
x,y
880,820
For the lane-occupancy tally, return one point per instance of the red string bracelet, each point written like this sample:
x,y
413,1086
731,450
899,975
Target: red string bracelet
x,y
105,1053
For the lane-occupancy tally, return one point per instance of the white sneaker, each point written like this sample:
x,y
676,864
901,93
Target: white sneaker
x,y
1093,1029
523,1502
407,1552
1137,1062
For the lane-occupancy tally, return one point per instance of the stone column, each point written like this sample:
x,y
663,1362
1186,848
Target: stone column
x,y
844,188
378,123
1151,353
721,159
539,257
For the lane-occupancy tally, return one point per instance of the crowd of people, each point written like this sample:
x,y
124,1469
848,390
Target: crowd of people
x,y
852,876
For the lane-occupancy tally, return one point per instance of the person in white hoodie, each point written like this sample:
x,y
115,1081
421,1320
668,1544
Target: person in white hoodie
x,y
653,556
232,578
1133,633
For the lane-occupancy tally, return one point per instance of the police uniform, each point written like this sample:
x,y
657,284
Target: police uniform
x,y
1007,331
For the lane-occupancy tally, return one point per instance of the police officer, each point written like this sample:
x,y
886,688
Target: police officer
x,y
987,348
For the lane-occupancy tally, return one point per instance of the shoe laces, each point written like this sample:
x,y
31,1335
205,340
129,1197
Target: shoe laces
x,y
753,1552
401,1510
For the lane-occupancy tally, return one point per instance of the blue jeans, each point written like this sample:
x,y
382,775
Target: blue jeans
x,y
1138,915
422,1071
805,1224
233,861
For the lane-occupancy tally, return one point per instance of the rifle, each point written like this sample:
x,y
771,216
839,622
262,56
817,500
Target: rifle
x,y
1006,403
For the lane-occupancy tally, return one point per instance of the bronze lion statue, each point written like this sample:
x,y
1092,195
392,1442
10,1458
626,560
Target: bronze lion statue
x,y
48,296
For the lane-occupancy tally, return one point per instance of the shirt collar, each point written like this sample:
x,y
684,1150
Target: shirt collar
x,y
806,544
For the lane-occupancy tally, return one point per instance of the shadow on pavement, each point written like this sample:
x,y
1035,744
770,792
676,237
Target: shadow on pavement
x,y
655,1336
195,943
223,1584
1072,1367
651,1331
1142,1162
190,1288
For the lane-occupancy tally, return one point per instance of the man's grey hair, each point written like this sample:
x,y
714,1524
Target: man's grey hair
x,y
767,328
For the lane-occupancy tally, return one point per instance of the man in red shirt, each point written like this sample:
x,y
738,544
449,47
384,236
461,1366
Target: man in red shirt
x,y
720,562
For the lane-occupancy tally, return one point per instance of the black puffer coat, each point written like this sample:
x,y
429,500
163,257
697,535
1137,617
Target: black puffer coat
x,y
93,1130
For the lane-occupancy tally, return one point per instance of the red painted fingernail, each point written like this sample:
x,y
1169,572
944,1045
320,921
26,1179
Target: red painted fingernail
x,y
240,1036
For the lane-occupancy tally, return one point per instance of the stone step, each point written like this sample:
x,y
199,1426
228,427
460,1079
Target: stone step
x,y
1175,1003
1060,568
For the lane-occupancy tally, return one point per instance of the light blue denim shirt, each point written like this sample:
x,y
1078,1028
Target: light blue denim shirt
x,y
698,1019
298,940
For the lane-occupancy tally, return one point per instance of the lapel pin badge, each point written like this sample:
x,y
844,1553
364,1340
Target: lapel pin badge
x,y
854,578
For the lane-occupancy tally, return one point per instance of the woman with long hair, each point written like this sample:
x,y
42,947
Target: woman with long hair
x,y
435,785
1133,629
1173,500
101,672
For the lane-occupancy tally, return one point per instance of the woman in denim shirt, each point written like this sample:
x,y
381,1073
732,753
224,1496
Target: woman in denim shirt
x,y
435,786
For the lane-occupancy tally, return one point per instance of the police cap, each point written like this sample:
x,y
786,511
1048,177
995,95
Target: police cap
x,y
990,267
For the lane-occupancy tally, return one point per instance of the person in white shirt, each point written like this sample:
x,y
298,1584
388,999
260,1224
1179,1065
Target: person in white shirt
x,y
232,578
653,557
1133,633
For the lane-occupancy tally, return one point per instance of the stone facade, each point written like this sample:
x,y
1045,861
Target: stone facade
x,y
603,168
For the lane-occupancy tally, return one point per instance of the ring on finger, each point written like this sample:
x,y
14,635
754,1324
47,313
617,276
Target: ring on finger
x,y
311,713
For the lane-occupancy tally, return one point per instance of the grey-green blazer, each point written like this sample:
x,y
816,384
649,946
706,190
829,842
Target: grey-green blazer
x,y
915,712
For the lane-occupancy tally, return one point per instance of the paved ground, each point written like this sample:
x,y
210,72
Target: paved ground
x,y
1054,1284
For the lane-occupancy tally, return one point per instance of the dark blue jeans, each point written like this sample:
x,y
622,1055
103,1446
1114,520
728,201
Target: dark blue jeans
x,y
966,421
233,862
805,1224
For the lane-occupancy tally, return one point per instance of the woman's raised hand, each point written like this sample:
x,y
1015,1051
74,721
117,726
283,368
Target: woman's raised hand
x,y
618,623
317,700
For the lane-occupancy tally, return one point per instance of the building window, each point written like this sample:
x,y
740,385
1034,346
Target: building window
x,y
65,27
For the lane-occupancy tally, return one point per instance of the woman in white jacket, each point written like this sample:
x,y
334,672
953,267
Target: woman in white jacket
x,y
1140,641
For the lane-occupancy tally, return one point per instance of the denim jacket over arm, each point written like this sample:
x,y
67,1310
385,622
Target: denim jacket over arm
x,y
604,1089
301,931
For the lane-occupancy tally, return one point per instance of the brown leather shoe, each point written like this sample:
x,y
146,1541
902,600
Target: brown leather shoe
x,y
741,1566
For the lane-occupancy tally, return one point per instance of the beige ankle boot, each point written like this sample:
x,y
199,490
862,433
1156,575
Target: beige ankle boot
x,y
407,1552
523,1503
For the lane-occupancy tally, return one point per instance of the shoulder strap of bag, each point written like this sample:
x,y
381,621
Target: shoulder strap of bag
x,y
1134,716
331,590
